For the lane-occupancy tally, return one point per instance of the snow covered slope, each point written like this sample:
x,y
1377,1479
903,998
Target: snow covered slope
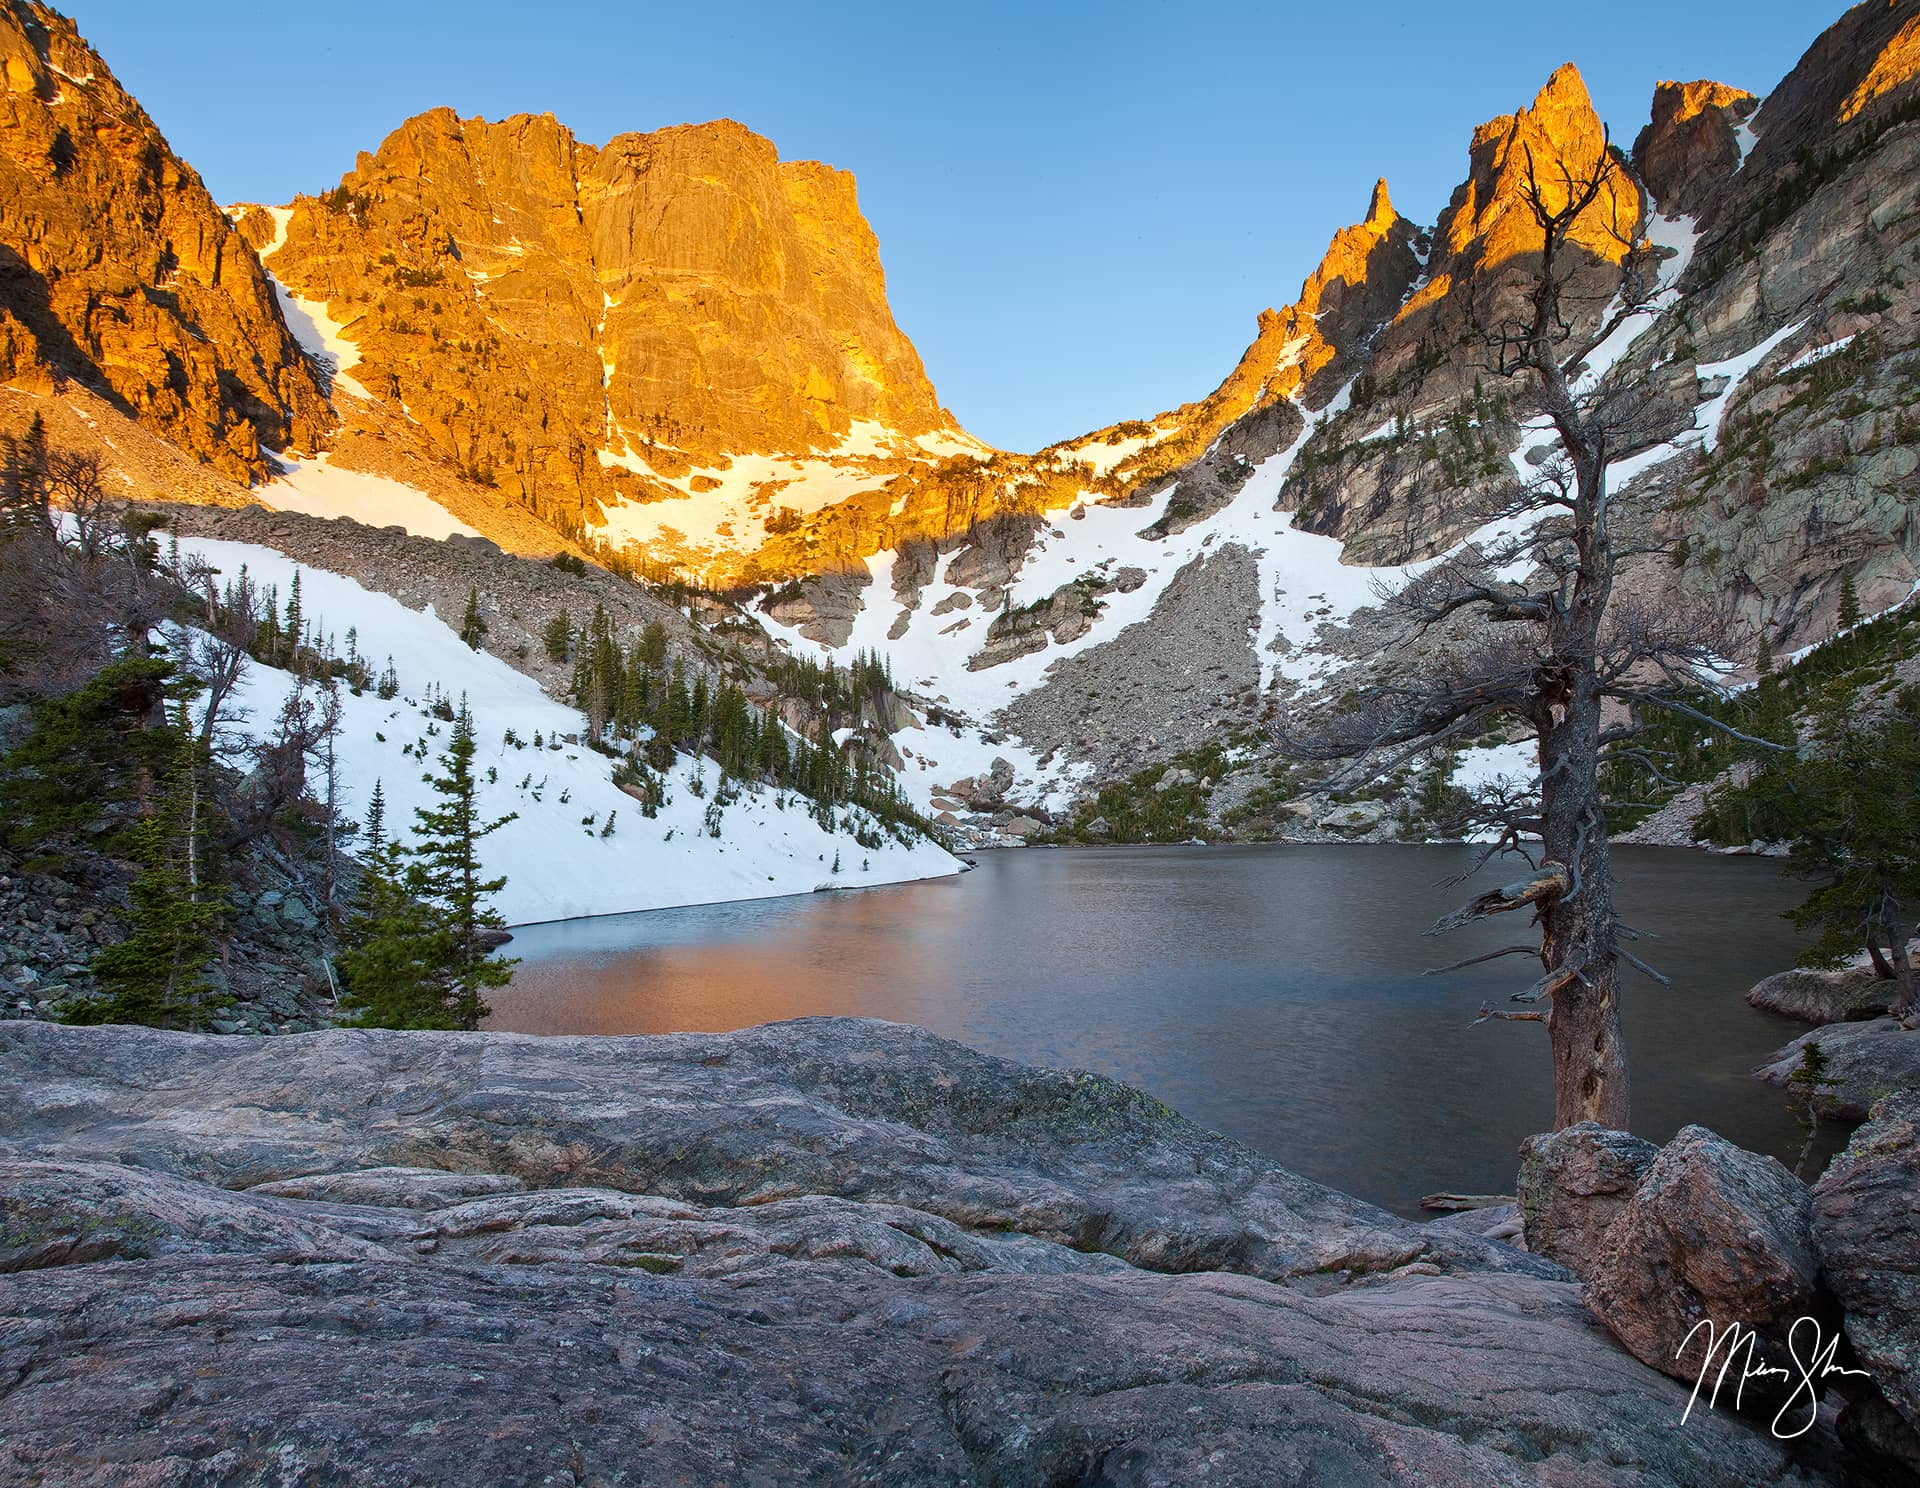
x,y
1304,583
712,510
557,864
318,488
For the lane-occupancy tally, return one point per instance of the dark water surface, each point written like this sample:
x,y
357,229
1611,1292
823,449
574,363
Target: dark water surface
x,y
1271,992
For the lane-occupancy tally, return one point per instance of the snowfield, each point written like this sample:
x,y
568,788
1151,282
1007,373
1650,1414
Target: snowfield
x,y
725,507
316,488
321,337
557,864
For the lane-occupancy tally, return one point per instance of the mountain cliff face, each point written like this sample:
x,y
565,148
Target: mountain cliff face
x,y
581,327
119,273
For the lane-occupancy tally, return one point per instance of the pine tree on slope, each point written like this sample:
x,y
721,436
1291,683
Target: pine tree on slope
x,y
157,974
391,943
473,625
445,871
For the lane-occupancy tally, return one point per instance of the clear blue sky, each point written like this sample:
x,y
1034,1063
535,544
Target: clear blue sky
x,y
1081,208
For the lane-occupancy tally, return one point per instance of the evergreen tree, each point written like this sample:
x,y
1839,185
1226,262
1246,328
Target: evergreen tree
x,y
25,498
391,944
698,716
1848,805
296,620
653,646
559,637
269,651
473,625
1849,601
89,753
445,871
157,974
1763,661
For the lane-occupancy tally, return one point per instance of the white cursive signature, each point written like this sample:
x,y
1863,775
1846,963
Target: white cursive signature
x,y
1740,1343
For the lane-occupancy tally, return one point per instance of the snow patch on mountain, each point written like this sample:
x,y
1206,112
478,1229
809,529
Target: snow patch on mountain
x,y
317,488
1304,584
1735,369
726,507
1680,236
557,864
322,338
1517,763
1817,354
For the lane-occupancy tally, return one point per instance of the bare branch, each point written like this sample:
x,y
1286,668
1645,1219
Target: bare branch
x,y
1512,950
1645,970
1552,882
1488,1013
1549,984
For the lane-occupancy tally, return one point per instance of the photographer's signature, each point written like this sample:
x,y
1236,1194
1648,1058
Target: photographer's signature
x,y
1736,1353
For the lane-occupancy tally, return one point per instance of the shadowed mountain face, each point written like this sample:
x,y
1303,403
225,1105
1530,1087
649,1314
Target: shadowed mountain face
x,y
119,272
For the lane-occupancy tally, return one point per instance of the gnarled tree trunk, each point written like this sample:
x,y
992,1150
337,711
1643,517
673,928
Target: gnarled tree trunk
x,y
1578,929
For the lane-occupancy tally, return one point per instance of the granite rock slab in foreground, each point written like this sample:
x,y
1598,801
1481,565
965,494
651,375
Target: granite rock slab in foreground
x,y
825,1251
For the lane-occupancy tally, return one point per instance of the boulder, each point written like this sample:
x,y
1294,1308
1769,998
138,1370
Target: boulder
x,y
991,789
1864,1061
1713,1235
1355,819
1022,826
1573,1184
1866,1217
1849,995
1871,1429
1491,1221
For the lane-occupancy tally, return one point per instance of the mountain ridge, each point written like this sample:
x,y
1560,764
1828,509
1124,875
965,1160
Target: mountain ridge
x,y
445,290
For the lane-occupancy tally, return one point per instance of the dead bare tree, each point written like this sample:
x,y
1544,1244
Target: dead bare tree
x,y
95,523
78,581
277,781
1540,639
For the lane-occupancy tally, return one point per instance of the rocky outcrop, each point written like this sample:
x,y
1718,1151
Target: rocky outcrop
x,y
822,608
1866,1209
1857,73
1355,819
1689,150
1573,1184
986,791
117,270
1863,1062
677,1295
1713,1235
1849,995
1161,688
868,1112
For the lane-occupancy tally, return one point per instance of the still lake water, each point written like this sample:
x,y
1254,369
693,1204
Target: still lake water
x,y
1271,992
